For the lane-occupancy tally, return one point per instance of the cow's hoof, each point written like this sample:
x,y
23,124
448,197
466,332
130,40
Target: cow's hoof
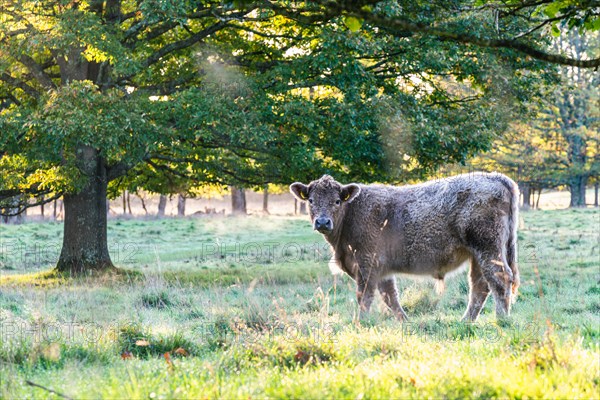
x,y
504,321
401,317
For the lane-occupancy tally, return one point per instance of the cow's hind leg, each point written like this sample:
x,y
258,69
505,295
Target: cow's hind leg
x,y
478,291
389,292
499,278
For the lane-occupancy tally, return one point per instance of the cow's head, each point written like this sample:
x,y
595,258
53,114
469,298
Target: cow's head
x,y
326,198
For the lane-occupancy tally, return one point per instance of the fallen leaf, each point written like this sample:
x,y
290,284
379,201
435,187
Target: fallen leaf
x,y
167,356
51,352
181,351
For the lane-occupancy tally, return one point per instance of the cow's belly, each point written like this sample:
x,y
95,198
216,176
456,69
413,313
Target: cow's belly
x,y
435,260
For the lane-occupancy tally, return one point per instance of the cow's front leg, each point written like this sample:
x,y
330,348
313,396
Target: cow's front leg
x,y
478,291
365,291
389,293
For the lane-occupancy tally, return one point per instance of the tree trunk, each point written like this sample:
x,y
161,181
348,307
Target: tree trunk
x,y
180,205
143,204
537,202
577,185
266,199
124,197
596,194
526,192
19,219
129,203
54,210
238,201
162,204
85,246
303,208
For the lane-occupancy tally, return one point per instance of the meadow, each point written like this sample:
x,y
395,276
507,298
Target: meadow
x,y
227,307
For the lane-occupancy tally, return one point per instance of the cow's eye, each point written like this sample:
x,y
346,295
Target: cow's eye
x,y
310,201
337,202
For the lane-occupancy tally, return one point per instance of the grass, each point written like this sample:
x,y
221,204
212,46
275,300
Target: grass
x,y
246,308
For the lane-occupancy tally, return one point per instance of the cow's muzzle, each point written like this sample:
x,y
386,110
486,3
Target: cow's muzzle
x,y
323,225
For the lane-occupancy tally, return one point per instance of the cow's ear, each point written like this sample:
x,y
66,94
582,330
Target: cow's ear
x,y
349,192
300,190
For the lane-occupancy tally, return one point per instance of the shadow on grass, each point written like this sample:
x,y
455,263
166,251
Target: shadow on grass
x,y
54,278
199,278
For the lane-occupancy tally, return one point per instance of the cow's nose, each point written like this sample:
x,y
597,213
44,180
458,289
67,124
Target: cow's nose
x,y
323,224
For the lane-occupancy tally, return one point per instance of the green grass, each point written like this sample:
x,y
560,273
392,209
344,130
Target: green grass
x,y
246,308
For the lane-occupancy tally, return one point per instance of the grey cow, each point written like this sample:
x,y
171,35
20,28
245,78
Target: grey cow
x,y
426,229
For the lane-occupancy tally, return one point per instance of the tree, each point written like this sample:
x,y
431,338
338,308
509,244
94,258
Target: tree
x,y
265,203
238,200
181,204
570,14
162,204
524,154
95,94
573,119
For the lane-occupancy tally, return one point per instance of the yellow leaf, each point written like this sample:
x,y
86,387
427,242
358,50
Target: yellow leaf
x,y
353,23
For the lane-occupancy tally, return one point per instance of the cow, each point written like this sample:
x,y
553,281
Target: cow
x,y
427,229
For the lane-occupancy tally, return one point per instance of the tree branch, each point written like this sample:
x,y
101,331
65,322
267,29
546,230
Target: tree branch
x,y
19,84
267,35
141,25
182,44
358,11
21,207
176,173
169,87
37,71
541,25
117,170
64,396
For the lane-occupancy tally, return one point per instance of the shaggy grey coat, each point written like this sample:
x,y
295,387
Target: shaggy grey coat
x,y
426,229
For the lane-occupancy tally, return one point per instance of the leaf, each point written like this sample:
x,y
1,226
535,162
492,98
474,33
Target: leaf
x,y
126,355
555,31
353,23
142,343
553,8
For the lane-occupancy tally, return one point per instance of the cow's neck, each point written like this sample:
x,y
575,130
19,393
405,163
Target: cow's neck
x,y
333,238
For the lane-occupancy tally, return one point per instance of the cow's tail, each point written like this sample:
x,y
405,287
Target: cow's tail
x,y
511,244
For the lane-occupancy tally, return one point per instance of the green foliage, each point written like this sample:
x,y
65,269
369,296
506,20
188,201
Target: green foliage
x,y
569,14
301,101
79,114
559,140
575,14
